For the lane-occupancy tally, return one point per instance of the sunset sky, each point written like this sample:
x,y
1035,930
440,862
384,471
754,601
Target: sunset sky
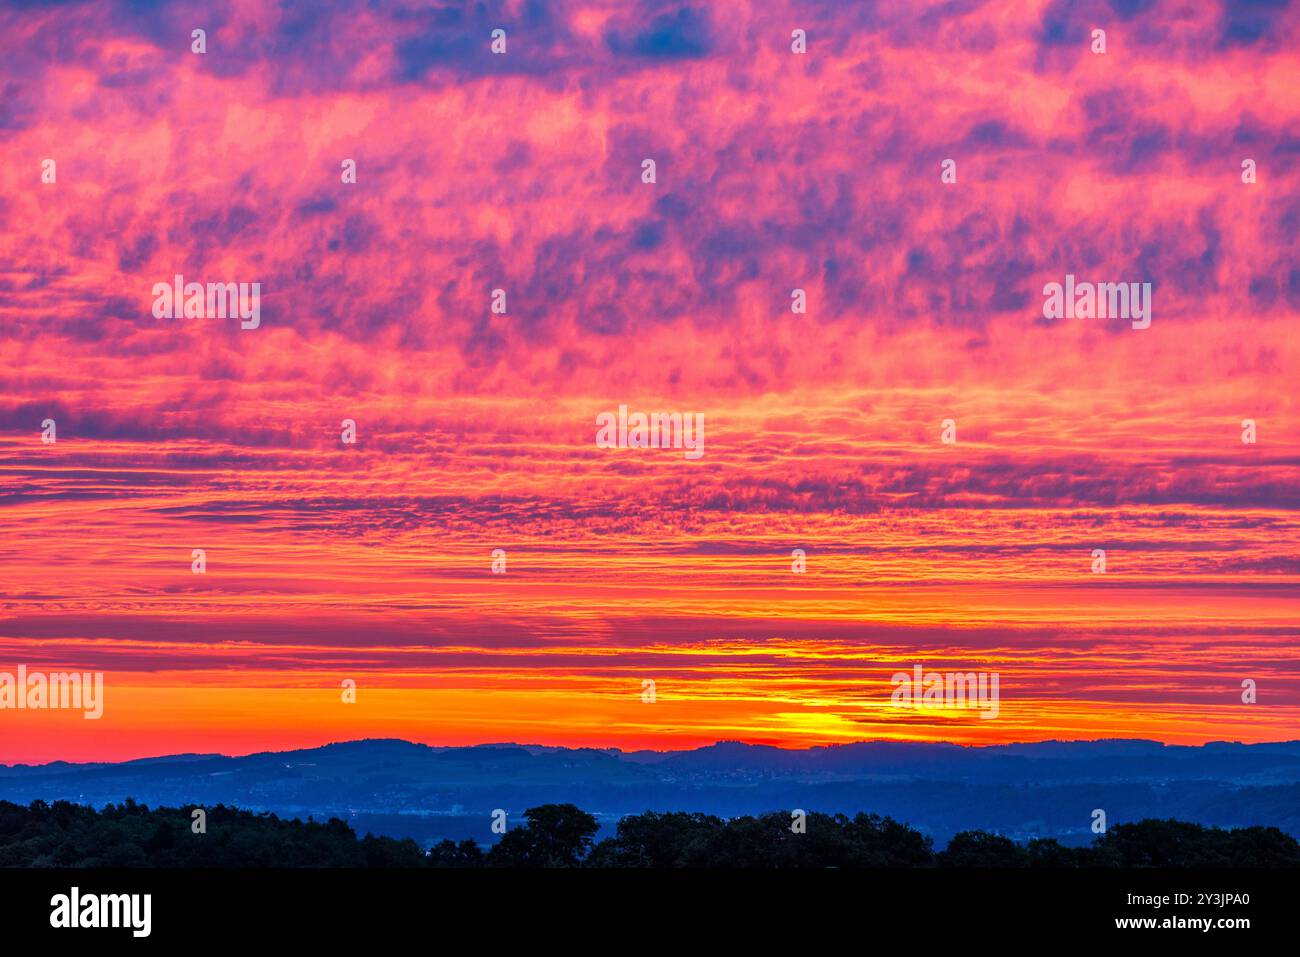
x,y
476,431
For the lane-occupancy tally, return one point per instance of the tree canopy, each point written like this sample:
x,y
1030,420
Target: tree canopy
x,y
63,834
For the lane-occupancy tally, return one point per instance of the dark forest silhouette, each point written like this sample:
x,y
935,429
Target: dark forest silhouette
x,y
63,834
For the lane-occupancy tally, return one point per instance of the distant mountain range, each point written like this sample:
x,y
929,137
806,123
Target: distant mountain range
x,y
401,789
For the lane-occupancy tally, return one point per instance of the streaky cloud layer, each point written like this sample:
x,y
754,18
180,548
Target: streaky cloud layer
x,y
475,430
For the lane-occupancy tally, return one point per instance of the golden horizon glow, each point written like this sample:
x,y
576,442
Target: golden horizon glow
x,y
371,562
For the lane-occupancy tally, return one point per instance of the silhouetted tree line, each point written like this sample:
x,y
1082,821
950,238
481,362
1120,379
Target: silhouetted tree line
x,y
63,834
